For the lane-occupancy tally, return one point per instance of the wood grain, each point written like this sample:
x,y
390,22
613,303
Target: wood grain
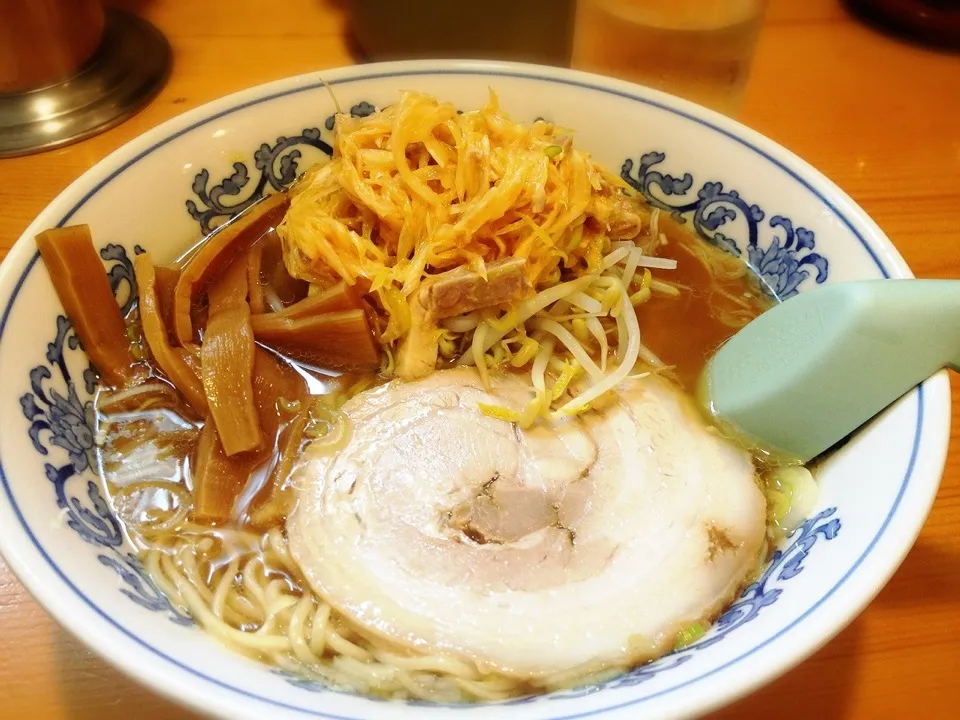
x,y
877,115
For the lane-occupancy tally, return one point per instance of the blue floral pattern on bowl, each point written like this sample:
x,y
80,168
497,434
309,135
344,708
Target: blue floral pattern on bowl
x,y
277,165
782,264
61,421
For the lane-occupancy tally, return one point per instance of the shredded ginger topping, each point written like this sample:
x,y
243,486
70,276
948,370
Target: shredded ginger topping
x,y
421,197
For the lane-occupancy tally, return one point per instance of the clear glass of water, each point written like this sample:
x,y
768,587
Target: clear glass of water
x,y
698,49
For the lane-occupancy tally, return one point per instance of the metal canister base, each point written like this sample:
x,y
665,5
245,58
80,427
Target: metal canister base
x,y
127,70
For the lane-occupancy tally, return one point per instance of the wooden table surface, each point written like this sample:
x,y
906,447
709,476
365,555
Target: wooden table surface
x,y
878,116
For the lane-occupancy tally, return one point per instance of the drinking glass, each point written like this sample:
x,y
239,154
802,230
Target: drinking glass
x,y
529,30
698,49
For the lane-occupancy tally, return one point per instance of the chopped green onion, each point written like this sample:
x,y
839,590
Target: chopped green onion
x,y
552,151
290,406
323,420
689,635
792,493
316,431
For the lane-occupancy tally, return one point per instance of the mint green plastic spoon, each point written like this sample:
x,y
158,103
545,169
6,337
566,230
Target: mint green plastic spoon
x,y
811,370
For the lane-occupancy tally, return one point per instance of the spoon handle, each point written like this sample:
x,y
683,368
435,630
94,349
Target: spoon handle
x,y
811,370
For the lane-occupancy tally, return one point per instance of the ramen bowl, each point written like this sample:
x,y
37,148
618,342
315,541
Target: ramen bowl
x,y
729,185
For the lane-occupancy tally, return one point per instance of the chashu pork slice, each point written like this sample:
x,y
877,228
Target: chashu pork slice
x,y
573,547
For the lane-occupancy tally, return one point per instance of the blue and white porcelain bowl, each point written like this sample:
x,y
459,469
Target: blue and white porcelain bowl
x,y
733,187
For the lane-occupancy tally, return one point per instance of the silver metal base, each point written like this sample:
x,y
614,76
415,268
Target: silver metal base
x,y
128,69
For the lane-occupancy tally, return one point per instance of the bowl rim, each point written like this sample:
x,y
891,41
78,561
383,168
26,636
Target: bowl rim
x,y
932,397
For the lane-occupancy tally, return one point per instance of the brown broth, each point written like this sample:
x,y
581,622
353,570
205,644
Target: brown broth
x,y
125,432
685,330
